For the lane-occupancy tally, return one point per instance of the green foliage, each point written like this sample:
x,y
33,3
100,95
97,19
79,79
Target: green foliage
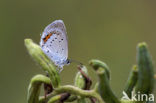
x,y
132,80
141,79
145,83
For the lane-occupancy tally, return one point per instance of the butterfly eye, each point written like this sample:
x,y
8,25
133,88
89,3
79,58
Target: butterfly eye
x,y
68,61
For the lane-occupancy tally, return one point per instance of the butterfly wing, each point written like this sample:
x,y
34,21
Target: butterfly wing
x,y
54,42
59,24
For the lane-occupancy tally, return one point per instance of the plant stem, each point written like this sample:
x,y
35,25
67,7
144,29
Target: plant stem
x,y
55,99
77,91
34,87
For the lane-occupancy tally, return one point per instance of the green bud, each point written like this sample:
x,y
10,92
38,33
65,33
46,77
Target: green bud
x,y
79,79
99,64
38,55
132,80
145,84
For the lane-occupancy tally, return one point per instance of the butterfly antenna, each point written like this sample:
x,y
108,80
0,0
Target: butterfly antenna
x,y
75,61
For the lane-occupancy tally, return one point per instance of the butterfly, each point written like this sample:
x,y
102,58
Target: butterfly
x,y
54,43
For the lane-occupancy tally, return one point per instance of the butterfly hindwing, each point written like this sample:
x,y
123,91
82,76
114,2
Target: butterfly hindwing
x,y
54,42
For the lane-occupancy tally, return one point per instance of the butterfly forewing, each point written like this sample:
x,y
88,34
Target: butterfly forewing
x,y
54,42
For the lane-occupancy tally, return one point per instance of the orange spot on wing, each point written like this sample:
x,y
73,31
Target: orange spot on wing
x,y
47,37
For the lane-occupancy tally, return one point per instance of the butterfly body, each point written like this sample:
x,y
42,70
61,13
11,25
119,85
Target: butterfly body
x,y
54,43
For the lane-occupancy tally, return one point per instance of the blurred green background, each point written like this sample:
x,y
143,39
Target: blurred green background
x,y
100,29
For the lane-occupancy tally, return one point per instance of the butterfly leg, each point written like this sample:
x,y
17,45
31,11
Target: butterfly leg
x,y
59,69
